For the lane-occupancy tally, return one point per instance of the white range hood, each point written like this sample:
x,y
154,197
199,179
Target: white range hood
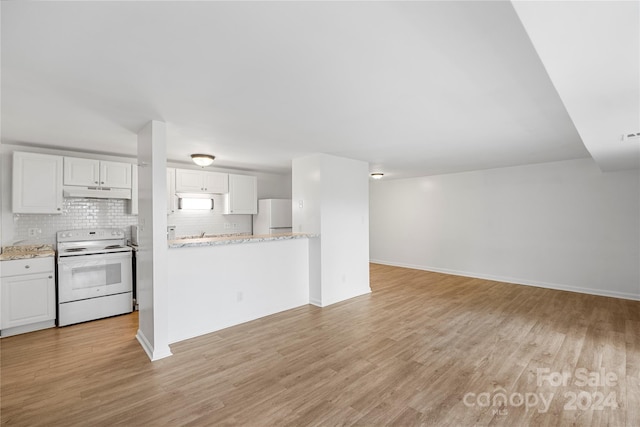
x,y
96,192
183,195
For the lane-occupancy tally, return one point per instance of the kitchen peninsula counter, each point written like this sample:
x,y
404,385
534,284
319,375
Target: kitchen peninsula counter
x,y
235,239
220,281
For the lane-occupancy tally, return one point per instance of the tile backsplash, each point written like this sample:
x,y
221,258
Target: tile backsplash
x,y
190,223
113,213
76,214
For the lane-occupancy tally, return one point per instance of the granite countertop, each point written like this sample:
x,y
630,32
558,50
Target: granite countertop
x,y
228,240
26,252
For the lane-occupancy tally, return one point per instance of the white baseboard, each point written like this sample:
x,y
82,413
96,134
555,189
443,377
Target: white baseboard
x,y
555,286
153,355
7,332
315,302
356,294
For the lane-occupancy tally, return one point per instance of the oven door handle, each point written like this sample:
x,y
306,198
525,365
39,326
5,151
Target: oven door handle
x,y
93,257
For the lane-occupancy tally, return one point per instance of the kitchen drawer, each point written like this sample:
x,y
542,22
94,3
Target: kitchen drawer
x,y
18,267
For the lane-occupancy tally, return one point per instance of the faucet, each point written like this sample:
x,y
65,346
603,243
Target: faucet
x,y
202,235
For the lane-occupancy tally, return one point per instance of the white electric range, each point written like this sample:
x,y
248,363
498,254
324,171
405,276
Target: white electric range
x,y
94,275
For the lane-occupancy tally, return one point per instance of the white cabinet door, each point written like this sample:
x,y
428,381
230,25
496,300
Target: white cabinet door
x,y
92,173
171,191
189,181
37,183
243,195
115,174
28,299
83,172
133,203
215,182
193,181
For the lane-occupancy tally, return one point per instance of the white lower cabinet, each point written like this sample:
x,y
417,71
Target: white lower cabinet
x,y
28,300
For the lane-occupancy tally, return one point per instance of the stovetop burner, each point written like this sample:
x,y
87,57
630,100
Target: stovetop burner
x,y
113,247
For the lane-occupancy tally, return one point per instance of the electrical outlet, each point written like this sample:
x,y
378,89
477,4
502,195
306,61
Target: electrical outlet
x,y
234,225
227,226
34,232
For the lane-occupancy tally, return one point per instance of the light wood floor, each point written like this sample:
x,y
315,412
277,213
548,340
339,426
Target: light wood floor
x,y
407,354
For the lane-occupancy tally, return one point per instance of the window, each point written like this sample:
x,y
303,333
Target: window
x,y
195,204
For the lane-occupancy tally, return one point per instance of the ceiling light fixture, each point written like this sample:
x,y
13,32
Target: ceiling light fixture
x,y
202,159
377,175
633,136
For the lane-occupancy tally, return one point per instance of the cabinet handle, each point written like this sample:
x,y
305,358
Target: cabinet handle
x,y
58,208
27,266
101,182
50,277
95,182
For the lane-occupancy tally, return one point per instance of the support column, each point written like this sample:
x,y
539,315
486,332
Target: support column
x,y
151,261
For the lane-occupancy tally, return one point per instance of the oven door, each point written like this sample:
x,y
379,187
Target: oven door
x,y
89,276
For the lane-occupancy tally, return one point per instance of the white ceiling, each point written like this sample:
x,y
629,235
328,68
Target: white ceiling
x,y
595,66
414,88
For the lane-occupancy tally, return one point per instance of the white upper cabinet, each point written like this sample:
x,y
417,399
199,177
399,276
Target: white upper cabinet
x,y
194,181
133,203
115,174
37,183
243,195
84,172
92,173
215,182
171,190
189,181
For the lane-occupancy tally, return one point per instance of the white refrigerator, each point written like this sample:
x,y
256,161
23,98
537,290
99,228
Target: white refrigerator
x,y
274,217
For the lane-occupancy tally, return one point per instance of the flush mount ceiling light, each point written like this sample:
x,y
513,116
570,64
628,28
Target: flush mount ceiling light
x,y
202,159
631,136
377,175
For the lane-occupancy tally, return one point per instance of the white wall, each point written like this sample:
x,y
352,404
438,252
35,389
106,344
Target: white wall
x,y
563,225
335,204
214,287
272,186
